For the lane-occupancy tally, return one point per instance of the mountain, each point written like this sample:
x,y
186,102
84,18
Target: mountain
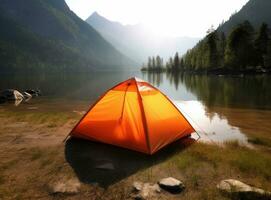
x,y
255,11
39,34
136,41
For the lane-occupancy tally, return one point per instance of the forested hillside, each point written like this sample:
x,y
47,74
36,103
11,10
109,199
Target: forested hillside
x,y
47,35
235,47
242,44
244,49
256,11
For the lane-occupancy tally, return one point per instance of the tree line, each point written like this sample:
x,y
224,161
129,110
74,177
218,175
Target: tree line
x,y
155,63
243,49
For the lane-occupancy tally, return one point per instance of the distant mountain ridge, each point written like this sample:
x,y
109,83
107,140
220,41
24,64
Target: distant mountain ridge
x,y
47,34
255,11
136,42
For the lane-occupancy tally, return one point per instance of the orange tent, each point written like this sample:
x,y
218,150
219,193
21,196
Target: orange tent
x,y
133,115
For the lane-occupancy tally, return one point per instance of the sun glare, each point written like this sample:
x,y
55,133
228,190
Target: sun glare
x,y
171,18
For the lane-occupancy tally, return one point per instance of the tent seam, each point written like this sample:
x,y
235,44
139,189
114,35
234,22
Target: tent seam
x,y
144,118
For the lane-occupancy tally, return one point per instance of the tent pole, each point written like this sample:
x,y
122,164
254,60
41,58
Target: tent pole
x,y
123,102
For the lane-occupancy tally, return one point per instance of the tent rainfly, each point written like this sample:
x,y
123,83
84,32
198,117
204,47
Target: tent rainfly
x,y
134,115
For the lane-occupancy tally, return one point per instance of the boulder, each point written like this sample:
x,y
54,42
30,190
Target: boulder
x,y
27,95
171,185
10,94
239,190
142,191
34,93
65,187
17,102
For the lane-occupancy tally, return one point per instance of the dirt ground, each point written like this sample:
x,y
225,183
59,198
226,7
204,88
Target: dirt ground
x,y
34,161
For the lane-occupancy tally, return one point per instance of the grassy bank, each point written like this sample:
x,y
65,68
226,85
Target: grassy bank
x,y
33,157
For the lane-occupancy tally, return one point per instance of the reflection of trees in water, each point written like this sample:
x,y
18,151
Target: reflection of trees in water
x,y
154,78
247,91
223,95
228,91
174,78
79,86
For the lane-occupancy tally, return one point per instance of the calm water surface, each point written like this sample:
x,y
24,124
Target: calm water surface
x,y
220,108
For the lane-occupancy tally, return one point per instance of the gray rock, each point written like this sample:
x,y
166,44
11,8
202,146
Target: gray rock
x,y
11,94
240,190
66,187
171,185
17,102
27,95
137,186
144,191
34,93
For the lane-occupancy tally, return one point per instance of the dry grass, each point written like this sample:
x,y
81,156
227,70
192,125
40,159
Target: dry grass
x,y
28,168
51,119
263,141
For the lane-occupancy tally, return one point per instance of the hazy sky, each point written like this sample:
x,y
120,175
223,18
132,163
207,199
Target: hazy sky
x,y
164,17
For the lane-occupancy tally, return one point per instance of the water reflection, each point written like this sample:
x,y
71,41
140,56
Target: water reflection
x,y
69,86
225,107
154,78
211,126
226,91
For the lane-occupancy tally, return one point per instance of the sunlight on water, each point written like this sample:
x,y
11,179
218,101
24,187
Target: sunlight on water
x,y
211,127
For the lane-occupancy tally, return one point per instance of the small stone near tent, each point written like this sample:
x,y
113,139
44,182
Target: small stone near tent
x,y
27,95
239,190
34,93
171,185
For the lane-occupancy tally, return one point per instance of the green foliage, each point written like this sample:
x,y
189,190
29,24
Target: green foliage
x,y
261,43
65,44
242,50
234,155
21,49
256,11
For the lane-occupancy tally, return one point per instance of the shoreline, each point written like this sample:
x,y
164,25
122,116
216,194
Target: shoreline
x,y
214,72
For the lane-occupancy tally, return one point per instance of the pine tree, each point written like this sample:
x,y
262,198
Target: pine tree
x,y
153,62
240,52
182,64
221,49
261,43
176,62
213,56
149,63
267,57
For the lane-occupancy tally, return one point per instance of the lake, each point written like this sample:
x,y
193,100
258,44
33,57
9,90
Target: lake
x,y
220,108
